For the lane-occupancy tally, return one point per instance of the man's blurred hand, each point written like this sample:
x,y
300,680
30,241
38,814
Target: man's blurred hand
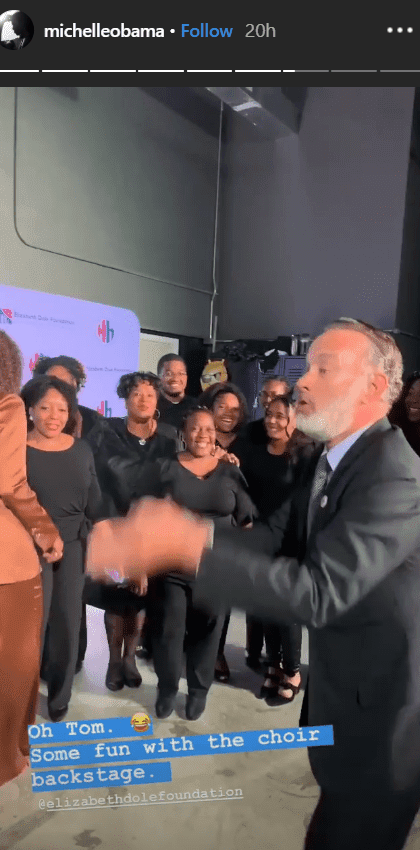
x,y
156,536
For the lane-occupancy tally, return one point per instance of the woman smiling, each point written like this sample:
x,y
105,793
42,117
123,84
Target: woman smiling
x,y
61,471
205,484
273,471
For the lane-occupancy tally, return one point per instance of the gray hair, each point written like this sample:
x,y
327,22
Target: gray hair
x,y
384,353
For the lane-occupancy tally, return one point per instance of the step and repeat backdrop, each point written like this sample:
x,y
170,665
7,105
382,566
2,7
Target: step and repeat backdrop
x,y
106,340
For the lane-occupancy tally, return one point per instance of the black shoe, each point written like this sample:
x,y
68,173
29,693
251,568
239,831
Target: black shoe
x,y
114,679
195,706
57,714
144,652
164,705
131,675
79,666
273,677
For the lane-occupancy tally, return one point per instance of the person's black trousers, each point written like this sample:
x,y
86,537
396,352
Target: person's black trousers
x,y
82,637
62,585
254,637
223,635
283,643
363,821
82,643
174,617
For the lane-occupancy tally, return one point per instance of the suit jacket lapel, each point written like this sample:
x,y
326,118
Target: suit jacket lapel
x,y
339,477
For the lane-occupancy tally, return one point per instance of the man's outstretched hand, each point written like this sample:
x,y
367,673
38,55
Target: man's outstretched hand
x,y
156,536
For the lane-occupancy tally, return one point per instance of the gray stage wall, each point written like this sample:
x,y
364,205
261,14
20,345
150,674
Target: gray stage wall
x,y
123,185
312,223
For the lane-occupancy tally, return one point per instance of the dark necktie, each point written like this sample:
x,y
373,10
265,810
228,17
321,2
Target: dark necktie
x,y
318,486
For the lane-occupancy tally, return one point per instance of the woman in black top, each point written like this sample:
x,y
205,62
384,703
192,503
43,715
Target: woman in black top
x,y
230,411
71,371
61,471
120,448
207,485
273,471
255,433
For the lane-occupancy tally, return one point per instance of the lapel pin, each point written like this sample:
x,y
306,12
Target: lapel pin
x,y
324,501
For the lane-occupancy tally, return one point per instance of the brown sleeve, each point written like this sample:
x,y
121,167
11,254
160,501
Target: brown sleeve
x,y
14,488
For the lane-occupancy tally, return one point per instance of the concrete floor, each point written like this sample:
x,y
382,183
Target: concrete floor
x,y
279,791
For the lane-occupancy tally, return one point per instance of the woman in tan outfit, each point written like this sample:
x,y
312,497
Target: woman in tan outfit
x,y
23,523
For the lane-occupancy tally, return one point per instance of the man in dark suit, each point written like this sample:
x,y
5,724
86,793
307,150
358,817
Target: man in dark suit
x,y
349,571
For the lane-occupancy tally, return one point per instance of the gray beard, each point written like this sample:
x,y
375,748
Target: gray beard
x,y
325,425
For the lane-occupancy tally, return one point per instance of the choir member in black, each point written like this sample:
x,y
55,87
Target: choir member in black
x,y
230,412
71,371
173,401
272,471
406,411
255,433
207,485
61,471
251,435
120,447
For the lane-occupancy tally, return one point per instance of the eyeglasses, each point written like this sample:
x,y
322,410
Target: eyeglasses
x,y
174,374
265,394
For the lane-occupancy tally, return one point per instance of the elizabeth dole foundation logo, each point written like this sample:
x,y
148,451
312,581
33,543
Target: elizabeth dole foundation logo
x,y
16,29
105,332
33,361
6,316
104,410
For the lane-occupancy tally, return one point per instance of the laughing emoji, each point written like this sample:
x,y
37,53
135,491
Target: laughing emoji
x,y
140,721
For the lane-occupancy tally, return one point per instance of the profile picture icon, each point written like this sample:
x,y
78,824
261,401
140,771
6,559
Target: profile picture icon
x,y
16,30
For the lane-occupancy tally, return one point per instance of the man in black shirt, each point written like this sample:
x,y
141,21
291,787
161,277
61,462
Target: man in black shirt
x,y
173,402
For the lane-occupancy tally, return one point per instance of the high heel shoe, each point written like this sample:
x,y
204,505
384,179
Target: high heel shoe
x,y
273,678
279,698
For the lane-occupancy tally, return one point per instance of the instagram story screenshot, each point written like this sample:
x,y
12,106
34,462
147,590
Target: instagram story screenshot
x,y
209,428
